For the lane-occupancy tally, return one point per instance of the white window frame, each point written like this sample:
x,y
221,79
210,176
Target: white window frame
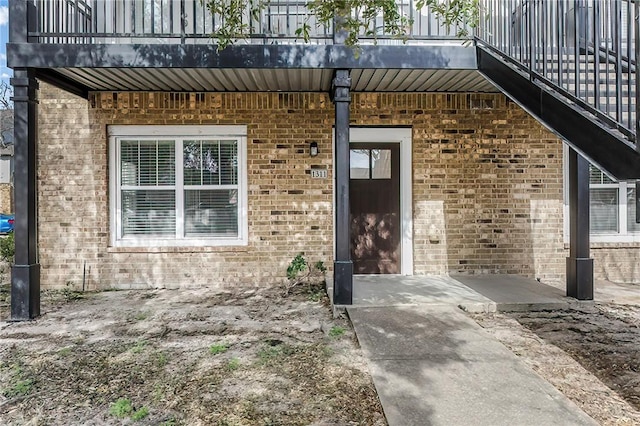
x,y
179,133
623,235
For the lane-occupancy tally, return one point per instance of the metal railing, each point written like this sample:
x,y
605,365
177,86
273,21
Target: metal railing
x,y
189,21
161,21
66,17
581,49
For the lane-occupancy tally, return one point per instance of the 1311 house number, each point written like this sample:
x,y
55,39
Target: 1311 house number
x,y
319,173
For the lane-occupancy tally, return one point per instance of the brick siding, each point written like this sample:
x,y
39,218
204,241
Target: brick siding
x,y
6,198
487,186
487,182
617,262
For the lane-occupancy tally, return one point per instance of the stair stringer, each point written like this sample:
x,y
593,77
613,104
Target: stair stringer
x,y
604,147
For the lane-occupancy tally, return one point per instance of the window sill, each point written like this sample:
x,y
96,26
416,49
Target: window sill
x,y
183,249
611,245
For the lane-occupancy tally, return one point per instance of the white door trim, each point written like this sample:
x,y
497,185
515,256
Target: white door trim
x,y
403,137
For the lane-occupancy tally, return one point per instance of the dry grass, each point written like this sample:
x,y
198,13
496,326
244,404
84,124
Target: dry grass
x,y
248,357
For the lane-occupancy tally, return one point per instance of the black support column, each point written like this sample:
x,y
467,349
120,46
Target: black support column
x,y
342,265
579,265
25,275
636,18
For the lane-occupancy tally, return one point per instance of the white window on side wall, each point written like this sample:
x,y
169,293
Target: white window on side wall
x,y
613,208
178,185
612,212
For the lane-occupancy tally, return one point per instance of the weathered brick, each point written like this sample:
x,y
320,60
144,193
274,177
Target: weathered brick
x,y
487,186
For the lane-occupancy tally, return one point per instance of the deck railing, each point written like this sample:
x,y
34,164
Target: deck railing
x,y
189,21
582,49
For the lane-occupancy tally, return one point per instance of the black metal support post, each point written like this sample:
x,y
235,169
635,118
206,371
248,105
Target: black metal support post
x,y
636,36
25,275
579,265
342,265
636,46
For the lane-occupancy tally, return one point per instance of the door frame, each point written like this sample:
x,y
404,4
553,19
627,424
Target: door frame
x,y
402,136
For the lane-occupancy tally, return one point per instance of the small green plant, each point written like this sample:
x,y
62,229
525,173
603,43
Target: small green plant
x,y
69,293
65,351
270,353
316,294
140,414
296,267
161,359
218,348
121,408
8,248
336,331
233,364
301,271
139,347
141,316
325,351
158,393
19,383
19,388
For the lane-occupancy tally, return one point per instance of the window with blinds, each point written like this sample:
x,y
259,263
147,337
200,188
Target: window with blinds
x,y
181,189
603,199
612,206
211,187
147,187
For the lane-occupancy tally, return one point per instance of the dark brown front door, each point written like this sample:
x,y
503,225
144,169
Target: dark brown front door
x,y
374,200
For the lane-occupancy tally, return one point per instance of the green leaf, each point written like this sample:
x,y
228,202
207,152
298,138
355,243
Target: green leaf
x,y
353,17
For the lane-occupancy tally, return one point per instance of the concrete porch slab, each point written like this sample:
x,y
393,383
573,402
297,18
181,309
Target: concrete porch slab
x,y
607,291
478,293
397,290
517,293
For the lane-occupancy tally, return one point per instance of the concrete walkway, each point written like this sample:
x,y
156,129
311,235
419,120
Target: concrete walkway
x,y
433,365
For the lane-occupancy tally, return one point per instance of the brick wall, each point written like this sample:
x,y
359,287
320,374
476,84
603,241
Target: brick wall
x,y
487,183
6,198
487,186
617,262
288,212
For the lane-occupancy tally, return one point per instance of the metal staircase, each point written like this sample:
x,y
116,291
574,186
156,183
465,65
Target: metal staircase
x,y
572,64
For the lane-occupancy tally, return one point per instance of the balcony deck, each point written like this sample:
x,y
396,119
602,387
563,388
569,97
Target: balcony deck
x,y
189,21
167,45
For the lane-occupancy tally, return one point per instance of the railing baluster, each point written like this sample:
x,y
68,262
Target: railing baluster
x,y
559,62
596,54
576,47
152,11
532,35
606,45
617,43
630,70
193,18
547,37
508,27
183,20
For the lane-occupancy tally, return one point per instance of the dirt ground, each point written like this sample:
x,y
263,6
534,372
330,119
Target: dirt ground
x,y
188,357
591,354
253,357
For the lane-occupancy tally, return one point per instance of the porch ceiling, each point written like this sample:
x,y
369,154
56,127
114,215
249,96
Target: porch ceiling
x,y
264,79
